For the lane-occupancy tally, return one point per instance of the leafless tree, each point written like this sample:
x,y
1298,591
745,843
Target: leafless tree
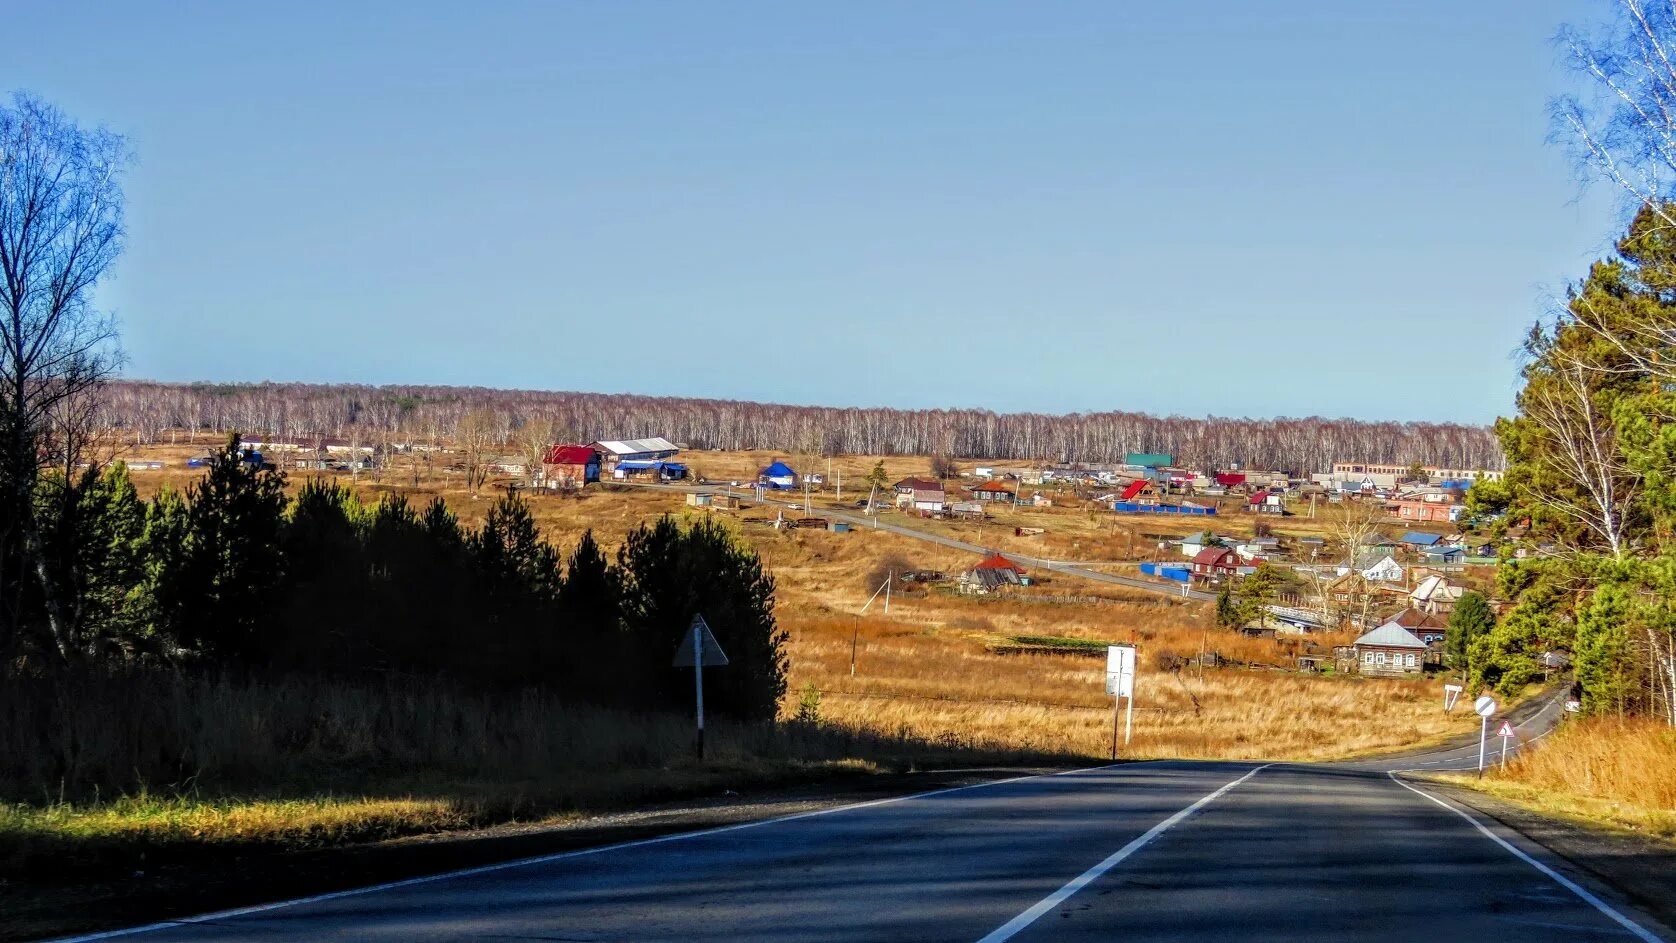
x,y
1297,445
535,437
61,228
1582,452
475,435
1622,130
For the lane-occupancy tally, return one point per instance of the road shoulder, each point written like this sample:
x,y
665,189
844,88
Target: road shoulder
x,y
44,910
1641,870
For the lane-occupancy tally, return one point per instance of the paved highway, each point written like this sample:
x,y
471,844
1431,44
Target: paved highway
x,y
1137,852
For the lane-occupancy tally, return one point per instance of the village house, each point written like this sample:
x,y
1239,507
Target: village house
x,y
1193,543
906,487
994,491
1266,502
1379,567
931,500
778,476
1428,627
569,467
1216,563
1435,594
1419,540
1430,504
1040,500
992,573
1390,651
974,510
1447,554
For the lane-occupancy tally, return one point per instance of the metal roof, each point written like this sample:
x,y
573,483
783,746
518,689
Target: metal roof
x,y
1391,635
637,446
1419,539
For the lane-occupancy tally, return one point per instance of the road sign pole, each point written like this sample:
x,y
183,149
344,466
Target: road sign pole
x,y
1483,732
1115,701
1129,716
1504,751
698,684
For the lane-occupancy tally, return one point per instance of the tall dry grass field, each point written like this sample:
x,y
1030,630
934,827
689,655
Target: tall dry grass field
x,y
1616,770
945,683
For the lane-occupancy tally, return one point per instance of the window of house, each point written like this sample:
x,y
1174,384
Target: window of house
x,y
1367,658
1408,660
1379,658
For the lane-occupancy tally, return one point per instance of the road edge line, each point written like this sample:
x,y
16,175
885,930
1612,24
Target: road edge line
x,y
557,856
1017,925
1634,928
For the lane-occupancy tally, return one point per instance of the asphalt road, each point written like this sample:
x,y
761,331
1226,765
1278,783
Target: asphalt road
x,y
872,522
1137,852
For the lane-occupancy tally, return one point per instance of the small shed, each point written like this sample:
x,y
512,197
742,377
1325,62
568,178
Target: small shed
x,y
992,573
1390,651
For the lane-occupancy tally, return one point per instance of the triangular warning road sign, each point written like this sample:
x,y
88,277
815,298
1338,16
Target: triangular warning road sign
x,y
1506,730
699,641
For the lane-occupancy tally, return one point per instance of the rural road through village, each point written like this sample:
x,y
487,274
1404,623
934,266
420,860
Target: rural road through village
x,y
872,522
1135,852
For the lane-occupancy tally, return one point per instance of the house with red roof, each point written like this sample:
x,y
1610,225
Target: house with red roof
x,y
992,573
1216,563
569,467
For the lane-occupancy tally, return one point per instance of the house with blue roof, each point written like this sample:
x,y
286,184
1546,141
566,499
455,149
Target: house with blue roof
x,y
1417,539
778,476
1444,553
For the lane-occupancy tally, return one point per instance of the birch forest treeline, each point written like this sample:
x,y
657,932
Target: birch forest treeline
x,y
149,411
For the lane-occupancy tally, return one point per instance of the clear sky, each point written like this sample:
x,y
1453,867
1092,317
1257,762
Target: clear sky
x,y
1230,208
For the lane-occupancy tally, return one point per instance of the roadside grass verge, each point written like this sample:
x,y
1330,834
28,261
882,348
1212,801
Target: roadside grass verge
x,y
102,776
1617,772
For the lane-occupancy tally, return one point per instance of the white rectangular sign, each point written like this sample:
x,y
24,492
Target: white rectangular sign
x,y
1120,670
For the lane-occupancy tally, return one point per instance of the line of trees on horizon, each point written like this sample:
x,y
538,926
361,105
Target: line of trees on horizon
x,y
147,411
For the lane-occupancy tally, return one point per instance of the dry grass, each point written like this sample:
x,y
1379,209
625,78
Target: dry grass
x,y
919,681
929,667
1620,772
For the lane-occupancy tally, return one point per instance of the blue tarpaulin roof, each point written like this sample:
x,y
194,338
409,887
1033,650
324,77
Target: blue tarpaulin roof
x,y
1420,540
778,470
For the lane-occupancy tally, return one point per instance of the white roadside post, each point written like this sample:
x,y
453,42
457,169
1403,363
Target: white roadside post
x,y
1506,735
1120,683
1451,694
699,649
1485,708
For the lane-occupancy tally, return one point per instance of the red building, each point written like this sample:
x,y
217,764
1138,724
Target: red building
x,y
569,467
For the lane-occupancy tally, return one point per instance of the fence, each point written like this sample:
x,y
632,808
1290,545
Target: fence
x,y
1130,507
1178,573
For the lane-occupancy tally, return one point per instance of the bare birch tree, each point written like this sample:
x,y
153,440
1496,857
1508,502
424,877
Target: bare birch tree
x,y
61,228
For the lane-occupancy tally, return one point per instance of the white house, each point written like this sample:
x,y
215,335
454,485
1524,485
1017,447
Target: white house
x,y
1380,568
925,499
1435,594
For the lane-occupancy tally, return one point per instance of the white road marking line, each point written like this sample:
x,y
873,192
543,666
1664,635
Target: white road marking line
x,y
562,855
1637,929
1012,927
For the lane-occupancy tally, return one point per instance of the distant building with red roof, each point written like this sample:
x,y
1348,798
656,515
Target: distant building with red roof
x,y
990,574
569,467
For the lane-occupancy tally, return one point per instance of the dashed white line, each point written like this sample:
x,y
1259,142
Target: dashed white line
x,y
1012,927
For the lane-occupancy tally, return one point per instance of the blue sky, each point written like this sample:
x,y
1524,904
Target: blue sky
x,y
1211,208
